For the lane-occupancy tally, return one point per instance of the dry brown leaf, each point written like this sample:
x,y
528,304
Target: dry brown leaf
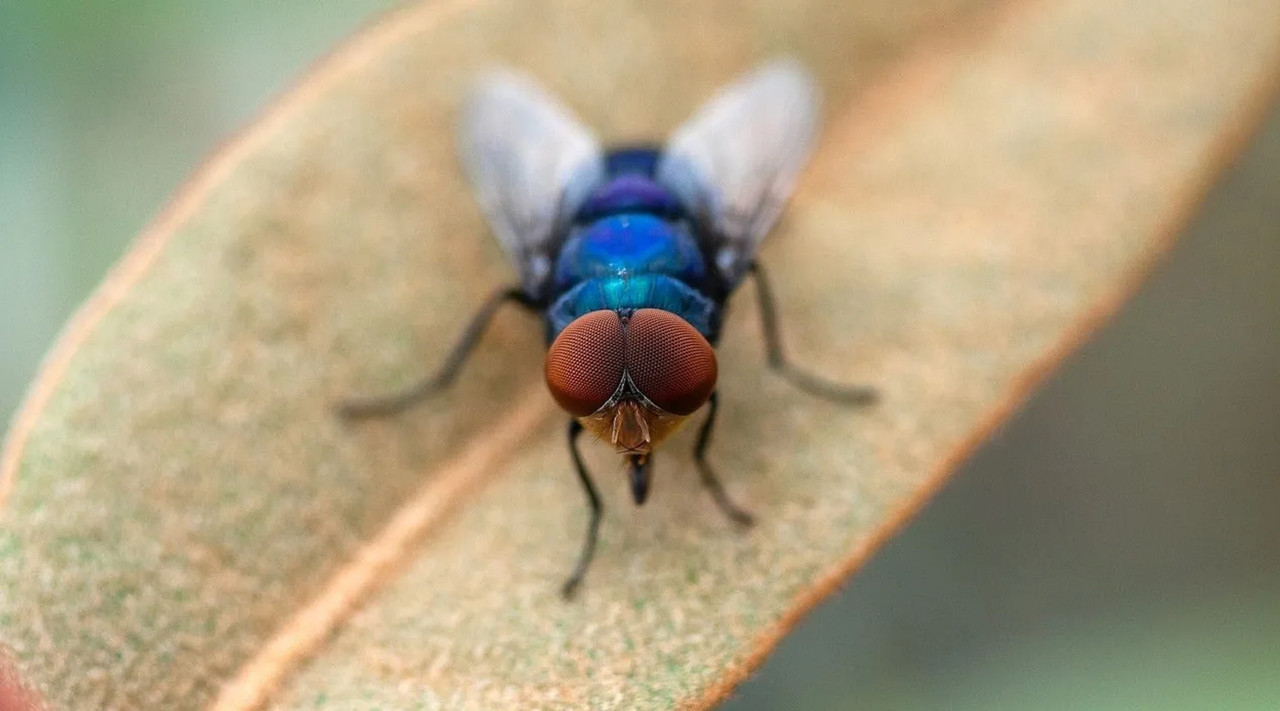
x,y
187,525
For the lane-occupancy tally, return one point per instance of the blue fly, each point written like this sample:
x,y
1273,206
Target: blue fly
x,y
629,255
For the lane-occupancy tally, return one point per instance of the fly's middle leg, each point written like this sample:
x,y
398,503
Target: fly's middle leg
x,y
394,404
814,385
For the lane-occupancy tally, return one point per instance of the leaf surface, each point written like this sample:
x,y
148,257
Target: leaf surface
x,y
187,525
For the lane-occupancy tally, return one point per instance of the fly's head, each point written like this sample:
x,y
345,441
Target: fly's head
x,y
631,377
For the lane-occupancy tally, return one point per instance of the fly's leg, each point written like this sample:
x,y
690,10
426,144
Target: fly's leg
x,y
396,403
848,394
709,478
593,527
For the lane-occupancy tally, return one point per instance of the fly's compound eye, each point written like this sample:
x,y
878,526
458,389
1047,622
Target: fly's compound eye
x,y
585,362
669,361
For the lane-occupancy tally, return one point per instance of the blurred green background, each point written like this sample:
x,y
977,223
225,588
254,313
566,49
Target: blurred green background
x,y
1116,546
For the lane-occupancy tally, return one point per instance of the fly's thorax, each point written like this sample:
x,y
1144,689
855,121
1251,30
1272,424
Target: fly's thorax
x,y
630,243
631,292
631,377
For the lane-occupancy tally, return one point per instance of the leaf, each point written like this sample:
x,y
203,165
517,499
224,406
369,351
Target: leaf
x,y
187,525
15,695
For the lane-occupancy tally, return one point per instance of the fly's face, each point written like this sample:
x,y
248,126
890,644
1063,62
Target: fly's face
x,y
631,377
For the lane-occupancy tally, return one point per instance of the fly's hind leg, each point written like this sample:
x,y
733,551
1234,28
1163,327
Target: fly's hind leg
x,y
847,394
738,514
381,406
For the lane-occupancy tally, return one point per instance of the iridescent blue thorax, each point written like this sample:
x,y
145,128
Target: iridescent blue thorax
x,y
631,246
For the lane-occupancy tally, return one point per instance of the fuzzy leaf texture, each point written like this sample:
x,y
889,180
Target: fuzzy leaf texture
x,y
186,524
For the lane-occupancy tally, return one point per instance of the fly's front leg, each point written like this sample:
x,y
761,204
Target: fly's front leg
x,y
597,509
848,394
396,403
709,478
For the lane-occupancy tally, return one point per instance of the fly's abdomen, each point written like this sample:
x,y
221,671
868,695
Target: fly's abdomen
x,y
630,194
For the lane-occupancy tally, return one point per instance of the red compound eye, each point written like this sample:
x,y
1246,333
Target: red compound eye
x,y
669,361
584,363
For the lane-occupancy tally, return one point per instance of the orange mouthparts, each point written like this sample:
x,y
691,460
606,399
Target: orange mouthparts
x,y
630,432
631,427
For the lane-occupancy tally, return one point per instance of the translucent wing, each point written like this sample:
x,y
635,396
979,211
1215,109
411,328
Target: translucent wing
x,y
734,163
532,164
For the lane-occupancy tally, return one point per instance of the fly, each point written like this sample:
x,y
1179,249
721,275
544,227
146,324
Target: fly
x,y
629,255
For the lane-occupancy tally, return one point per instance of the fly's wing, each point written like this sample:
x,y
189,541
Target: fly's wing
x,y
734,163
532,163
